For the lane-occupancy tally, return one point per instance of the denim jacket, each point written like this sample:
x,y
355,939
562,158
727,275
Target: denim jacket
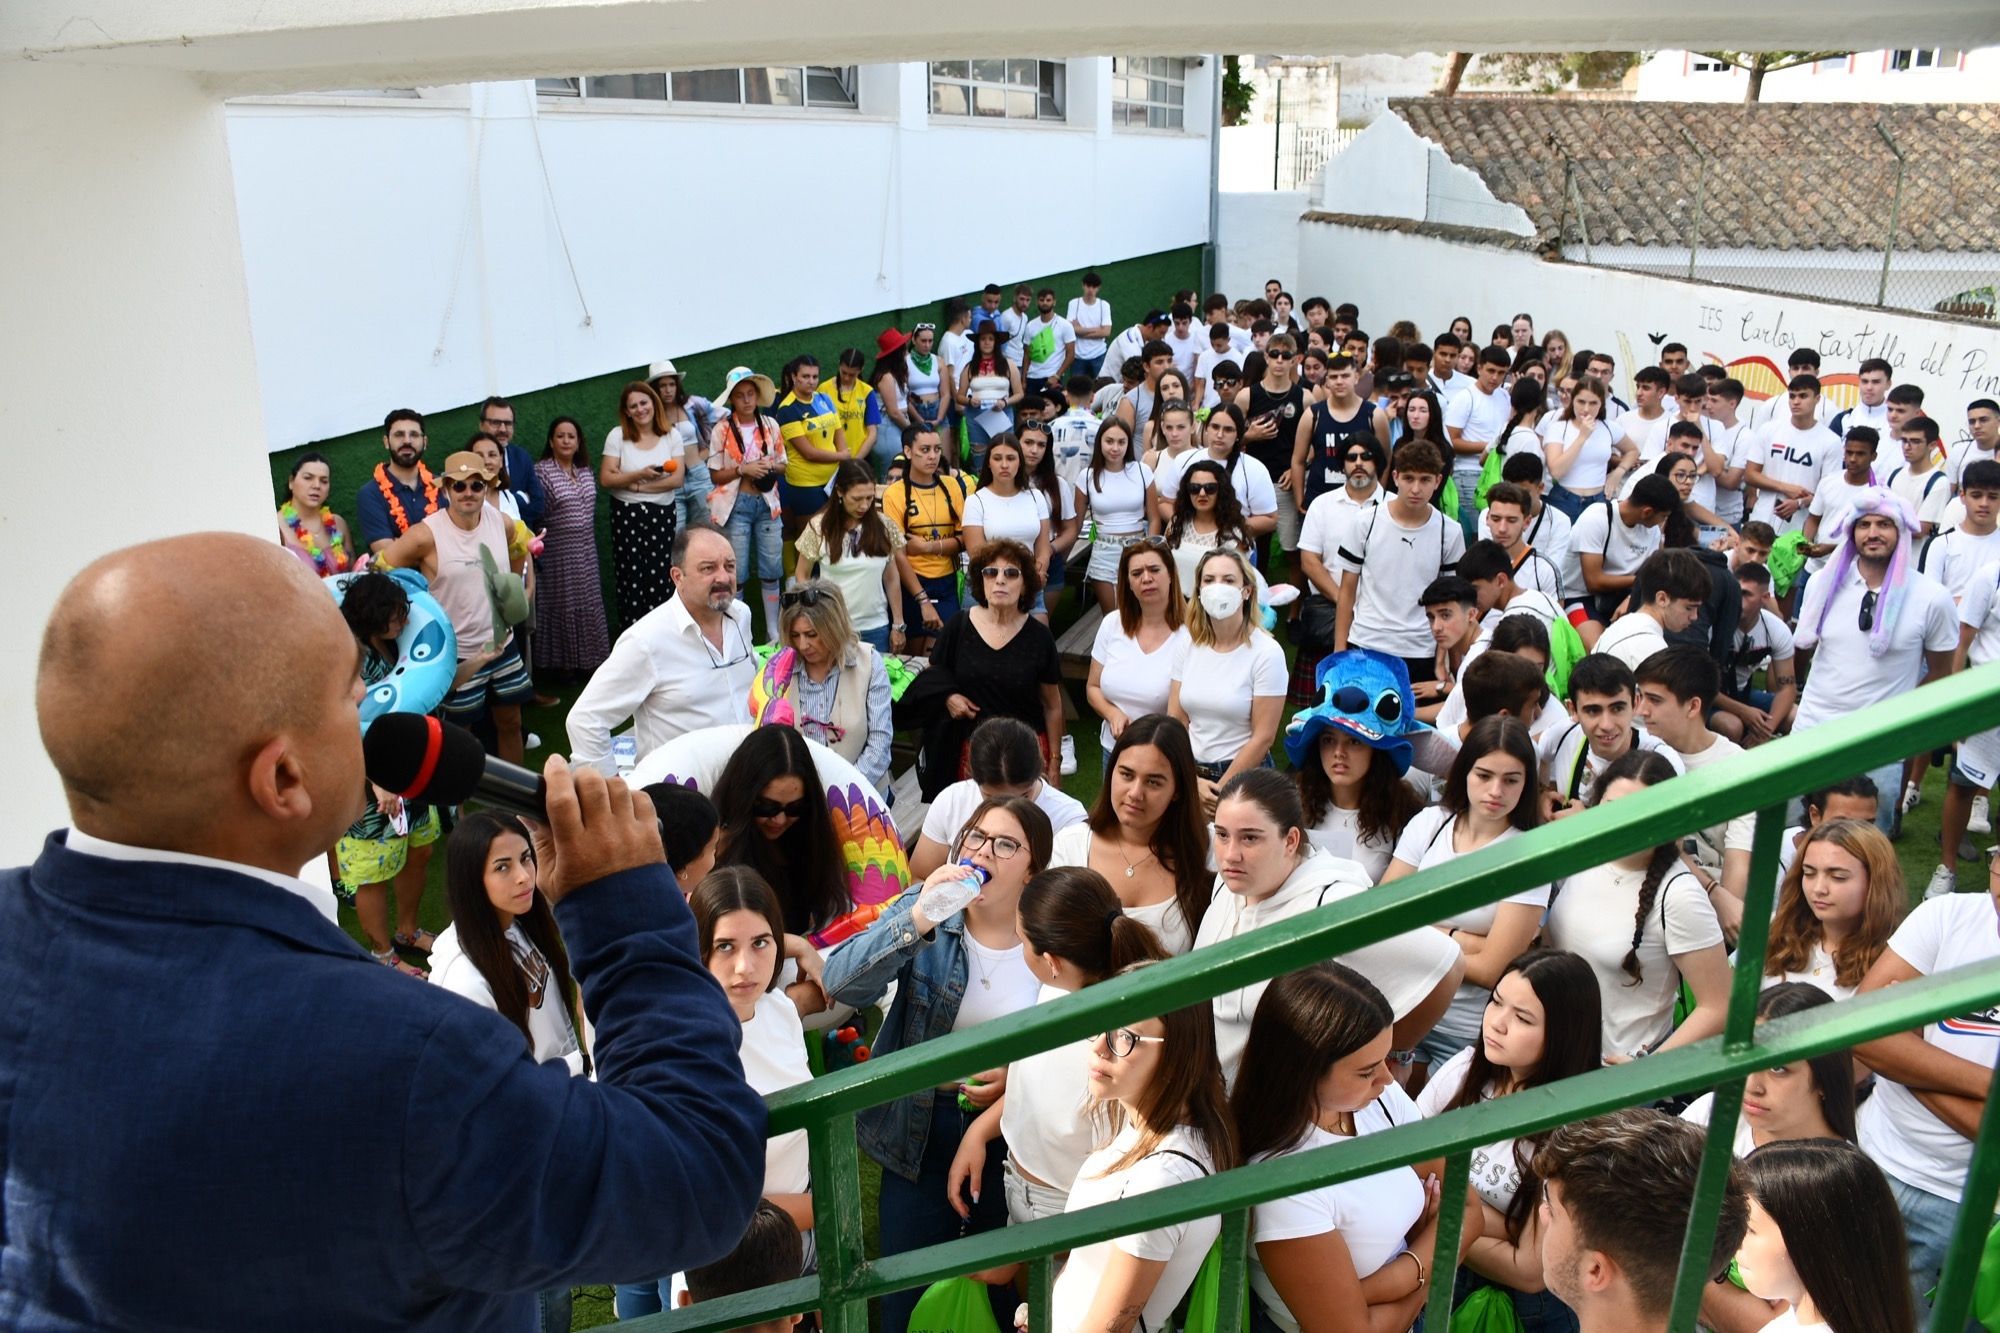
x,y
930,974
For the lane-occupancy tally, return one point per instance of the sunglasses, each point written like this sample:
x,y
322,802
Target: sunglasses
x,y
1005,573
1156,541
803,597
1866,620
1121,1042
1277,356
922,328
764,808
474,486
1203,488
1356,456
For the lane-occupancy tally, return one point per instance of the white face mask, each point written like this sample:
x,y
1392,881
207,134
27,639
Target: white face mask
x,y
1221,600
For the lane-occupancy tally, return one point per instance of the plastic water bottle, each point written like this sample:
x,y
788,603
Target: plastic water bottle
x,y
947,898
625,754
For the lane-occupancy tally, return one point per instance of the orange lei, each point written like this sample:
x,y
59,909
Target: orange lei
x,y
396,510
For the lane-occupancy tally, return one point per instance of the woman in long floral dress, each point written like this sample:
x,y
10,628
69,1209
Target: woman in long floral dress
x,y
570,634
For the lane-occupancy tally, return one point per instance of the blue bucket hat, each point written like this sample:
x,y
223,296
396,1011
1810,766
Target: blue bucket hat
x,y
1365,694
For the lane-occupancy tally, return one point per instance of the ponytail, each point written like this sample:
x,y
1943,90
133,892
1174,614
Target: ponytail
x,y
1070,912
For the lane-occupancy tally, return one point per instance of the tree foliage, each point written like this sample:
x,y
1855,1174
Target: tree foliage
x,y
1237,92
1556,71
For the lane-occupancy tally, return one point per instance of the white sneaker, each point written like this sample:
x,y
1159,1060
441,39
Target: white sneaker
x,y
1913,796
1944,880
1982,817
1068,764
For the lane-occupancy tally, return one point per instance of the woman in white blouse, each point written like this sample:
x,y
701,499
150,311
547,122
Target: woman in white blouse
x,y
1839,904
1159,1092
1541,1025
1579,450
1147,833
1230,687
1316,1071
1115,486
1006,507
1074,934
1139,644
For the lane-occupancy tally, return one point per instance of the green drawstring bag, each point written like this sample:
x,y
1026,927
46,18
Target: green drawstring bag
x,y
1565,651
1204,1298
1489,476
955,1305
1447,496
1487,1310
1986,1286
1788,557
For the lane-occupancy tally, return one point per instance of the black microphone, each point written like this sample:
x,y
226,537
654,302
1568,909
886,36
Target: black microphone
x,y
422,759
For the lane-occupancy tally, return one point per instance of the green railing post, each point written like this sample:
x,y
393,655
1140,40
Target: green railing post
x,y
1041,1292
837,1223
1235,1275
1755,934
1450,1222
1951,1307
1718,1158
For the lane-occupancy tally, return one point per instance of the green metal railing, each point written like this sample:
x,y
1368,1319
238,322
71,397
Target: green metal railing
x,y
1762,781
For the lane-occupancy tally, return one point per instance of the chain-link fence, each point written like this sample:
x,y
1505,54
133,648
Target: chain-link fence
x,y
1881,219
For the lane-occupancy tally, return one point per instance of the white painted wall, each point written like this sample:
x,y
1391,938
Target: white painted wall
x,y
124,353
379,278
1865,76
1392,171
1918,280
1395,275
1261,228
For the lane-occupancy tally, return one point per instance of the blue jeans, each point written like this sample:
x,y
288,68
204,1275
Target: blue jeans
x,y
977,437
1927,1223
633,1299
554,1306
1566,501
1889,785
914,1213
943,592
752,526
877,638
1087,365
691,501
888,443
1468,509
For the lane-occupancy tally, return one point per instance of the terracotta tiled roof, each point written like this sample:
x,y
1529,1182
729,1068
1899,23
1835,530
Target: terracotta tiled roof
x,y
1781,176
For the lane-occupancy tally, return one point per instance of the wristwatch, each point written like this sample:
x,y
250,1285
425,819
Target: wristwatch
x,y
898,629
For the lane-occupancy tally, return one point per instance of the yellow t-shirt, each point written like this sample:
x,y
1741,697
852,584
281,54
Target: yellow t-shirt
x,y
858,409
814,422
929,513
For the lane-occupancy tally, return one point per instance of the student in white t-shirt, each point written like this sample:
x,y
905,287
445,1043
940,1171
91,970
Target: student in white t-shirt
x,y
1644,925
740,929
1164,1131
1007,505
1229,686
1849,1275
1222,443
1789,455
1489,796
1836,908
1536,535
1836,491
1612,538
1075,934
1675,690
1148,832
1005,759
1090,317
1924,1146
1048,342
1762,639
1115,485
1386,558
1540,1024
1475,420
1604,729
1920,479
1678,584
1317,1071
1981,439
1955,556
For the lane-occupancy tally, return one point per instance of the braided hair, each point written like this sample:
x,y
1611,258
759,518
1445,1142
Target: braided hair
x,y
1648,769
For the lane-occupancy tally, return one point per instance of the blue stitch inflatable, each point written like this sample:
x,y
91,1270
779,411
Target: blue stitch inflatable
x,y
426,652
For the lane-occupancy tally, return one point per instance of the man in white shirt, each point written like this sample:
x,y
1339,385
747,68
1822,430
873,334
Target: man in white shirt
x,y
1091,318
1185,341
1789,456
1014,319
1676,688
1604,729
1921,480
1931,1086
1872,380
1388,555
1635,428
1445,380
1051,345
1603,367
1955,557
1506,521
1837,490
1802,361
1880,640
1473,421
1609,1259
1493,574
1728,439
1221,348
1613,538
1679,584
1982,426
685,665
1132,342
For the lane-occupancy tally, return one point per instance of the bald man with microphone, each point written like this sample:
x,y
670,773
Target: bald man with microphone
x,y
218,1111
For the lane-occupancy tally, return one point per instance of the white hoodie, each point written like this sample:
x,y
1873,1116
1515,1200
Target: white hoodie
x,y
549,1024
1405,968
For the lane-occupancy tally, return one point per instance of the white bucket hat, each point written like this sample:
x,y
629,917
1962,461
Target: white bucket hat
x,y
767,392
660,368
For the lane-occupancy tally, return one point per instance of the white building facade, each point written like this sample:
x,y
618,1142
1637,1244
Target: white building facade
x,y
1892,74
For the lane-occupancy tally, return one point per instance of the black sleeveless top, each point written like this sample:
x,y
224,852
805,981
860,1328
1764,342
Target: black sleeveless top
x,y
1276,453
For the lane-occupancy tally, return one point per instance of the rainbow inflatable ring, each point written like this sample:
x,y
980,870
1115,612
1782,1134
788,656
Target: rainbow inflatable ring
x,y
877,870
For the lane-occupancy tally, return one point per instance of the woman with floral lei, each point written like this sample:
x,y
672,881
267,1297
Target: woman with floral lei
x,y
308,529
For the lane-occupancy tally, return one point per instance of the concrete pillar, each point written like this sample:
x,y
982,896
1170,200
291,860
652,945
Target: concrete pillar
x,y
128,388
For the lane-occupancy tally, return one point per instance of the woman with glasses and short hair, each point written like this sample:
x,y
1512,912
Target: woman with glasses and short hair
x,y
998,660
953,968
828,682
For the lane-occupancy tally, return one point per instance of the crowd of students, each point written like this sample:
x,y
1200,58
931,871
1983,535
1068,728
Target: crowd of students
x,y
1491,595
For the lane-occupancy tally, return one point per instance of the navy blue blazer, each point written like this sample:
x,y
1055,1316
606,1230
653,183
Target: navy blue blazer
x,y
217,1112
